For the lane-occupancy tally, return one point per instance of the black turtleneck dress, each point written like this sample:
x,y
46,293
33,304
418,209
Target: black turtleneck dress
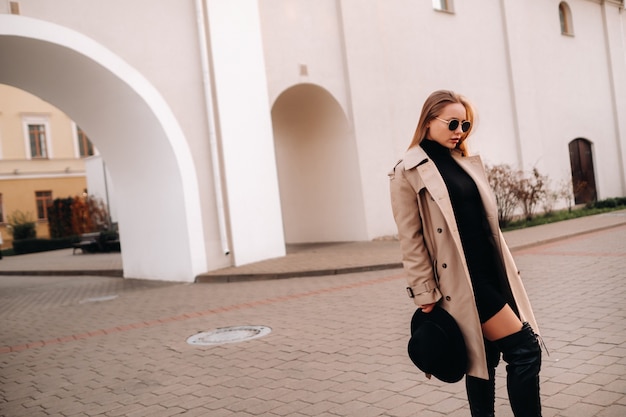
x,y
474,230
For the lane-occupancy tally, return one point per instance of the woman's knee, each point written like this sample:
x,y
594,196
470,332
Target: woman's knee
x,y
503,324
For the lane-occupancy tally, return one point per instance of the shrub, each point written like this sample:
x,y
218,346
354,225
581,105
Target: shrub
x,y
21,225
566,193
23,246
530,191
608,203
60,217
503,181
548,202
77,215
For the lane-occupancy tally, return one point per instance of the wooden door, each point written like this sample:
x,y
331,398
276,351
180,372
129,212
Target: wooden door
x,y
583,177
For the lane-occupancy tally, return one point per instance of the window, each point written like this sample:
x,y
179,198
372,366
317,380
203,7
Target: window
x,y
85,147
43,200
565,16
443,5
37,138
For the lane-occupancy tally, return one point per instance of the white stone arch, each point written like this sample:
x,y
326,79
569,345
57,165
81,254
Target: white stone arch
x,y
136,132
318,168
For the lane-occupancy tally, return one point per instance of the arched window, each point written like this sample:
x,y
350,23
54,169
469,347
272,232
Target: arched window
x,y
443,6
565,16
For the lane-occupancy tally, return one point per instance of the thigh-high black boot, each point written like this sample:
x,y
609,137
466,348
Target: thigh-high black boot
x,y
481,393
522,353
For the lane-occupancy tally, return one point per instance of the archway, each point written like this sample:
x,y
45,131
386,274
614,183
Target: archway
x,y
583,173
320,187
135,131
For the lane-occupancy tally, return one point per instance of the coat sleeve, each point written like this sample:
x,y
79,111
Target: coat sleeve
x,y
415,257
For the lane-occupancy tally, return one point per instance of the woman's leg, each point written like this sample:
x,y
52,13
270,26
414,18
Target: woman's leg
x,y
481,393
522,353
503,324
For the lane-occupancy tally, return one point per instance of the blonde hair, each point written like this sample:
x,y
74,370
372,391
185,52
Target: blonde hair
x,y
433,106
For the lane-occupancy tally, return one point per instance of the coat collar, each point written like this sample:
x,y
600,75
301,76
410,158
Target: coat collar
x,y
416,156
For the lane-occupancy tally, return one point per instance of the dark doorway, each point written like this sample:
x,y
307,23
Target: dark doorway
x,y
583,177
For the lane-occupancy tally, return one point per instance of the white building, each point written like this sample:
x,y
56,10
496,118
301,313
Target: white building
x,y
232,127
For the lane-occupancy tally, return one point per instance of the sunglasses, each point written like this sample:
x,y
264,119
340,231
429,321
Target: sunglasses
x,y
453,124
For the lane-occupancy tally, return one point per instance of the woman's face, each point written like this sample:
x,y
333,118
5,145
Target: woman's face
x,y
439,131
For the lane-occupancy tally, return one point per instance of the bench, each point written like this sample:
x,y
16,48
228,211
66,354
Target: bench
x,y
97,242
88,243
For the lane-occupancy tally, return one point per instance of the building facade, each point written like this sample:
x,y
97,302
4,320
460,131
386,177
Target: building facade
x,y
233,127
41,158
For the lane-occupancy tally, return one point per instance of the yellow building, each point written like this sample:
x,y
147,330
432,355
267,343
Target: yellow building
x,y
41,151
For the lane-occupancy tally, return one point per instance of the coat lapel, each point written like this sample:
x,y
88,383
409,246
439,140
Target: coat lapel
x,y
432,180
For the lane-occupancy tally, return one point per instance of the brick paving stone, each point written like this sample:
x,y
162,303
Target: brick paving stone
x,y
119,411
353,408
581,409
550,388
431,398
561,401
567,378
371,411
581,389
197,412
613,411
605,360
290,408
604,398
618,386
167,412
600,378
317,407
393,401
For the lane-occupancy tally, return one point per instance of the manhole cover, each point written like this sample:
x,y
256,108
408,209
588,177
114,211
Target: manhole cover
x,y
228,335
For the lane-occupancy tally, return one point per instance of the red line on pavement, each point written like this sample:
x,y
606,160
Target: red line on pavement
x,y
192,315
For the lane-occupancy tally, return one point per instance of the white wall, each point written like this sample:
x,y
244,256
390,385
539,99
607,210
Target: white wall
x,y
100,185
245,130
300,33
614,20
562,89
320,179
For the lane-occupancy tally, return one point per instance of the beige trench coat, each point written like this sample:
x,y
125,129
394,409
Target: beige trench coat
x,y
432,253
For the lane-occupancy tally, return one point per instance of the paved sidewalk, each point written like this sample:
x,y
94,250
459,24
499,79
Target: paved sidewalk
x,y
301,260
100,346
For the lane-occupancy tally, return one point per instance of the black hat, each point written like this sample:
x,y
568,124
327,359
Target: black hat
x,y
436,346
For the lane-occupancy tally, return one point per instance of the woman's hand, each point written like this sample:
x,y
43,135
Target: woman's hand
x,y
427,308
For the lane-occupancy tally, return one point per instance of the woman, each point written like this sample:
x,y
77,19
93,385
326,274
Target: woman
x,y
455,255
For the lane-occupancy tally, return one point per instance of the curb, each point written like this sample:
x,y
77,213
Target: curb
x,y
113,273
203,279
